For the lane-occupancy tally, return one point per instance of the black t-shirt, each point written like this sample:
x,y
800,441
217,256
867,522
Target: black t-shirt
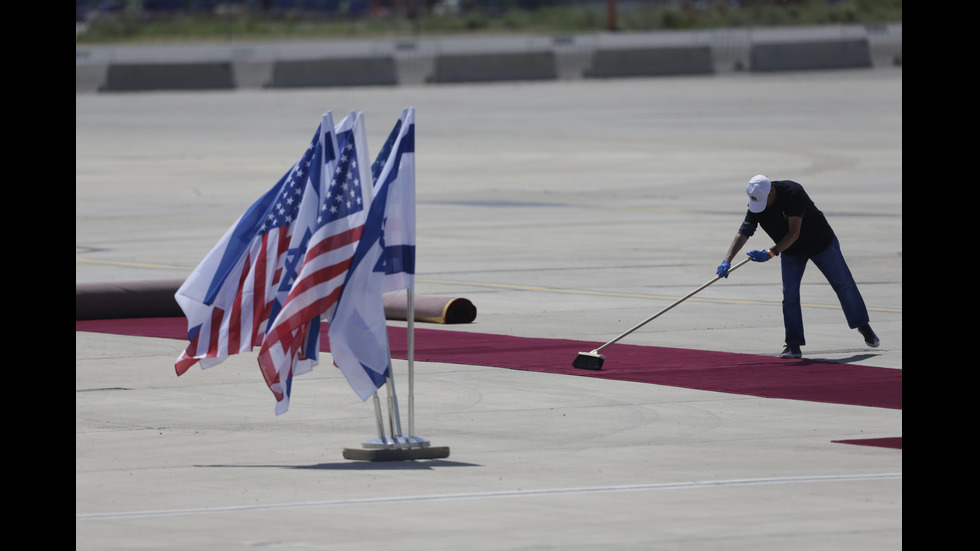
x,y
791,200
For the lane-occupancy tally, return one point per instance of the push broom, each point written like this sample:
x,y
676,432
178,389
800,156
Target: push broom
x,y
594,360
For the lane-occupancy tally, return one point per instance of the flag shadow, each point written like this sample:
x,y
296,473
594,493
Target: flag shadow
x,y
414,464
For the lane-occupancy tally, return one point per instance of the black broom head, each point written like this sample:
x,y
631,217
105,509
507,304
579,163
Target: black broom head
x,y
589,360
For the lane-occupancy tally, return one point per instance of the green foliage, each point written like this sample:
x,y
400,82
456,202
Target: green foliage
x,y
581,16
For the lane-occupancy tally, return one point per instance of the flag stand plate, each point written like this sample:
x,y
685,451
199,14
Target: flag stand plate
x,y
398,448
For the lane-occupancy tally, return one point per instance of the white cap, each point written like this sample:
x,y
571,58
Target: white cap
x,y
758,190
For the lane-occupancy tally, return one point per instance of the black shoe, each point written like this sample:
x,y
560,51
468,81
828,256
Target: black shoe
x,y
870,338
792,351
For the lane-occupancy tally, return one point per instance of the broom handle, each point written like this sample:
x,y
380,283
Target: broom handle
x,y
682,299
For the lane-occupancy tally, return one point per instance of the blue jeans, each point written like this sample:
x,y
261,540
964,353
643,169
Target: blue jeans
x,y
831,263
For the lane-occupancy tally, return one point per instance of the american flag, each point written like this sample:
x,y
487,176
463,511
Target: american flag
x,y
292,338
231,295
358,333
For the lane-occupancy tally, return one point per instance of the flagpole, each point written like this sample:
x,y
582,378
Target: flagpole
x,y
398,173
379,417
410,297
393,416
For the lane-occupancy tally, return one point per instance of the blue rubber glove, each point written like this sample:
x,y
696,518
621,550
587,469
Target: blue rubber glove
x,y
759,256
723,268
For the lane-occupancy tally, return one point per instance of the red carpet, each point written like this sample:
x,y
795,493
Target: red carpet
x,y
894,443
745,374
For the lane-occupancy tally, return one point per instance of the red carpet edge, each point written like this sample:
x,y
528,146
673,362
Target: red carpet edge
x,y
745,374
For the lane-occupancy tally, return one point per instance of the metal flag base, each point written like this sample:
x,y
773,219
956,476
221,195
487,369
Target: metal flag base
x,y
396,448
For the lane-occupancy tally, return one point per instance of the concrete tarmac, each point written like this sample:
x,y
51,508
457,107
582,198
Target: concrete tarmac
x,y
560,209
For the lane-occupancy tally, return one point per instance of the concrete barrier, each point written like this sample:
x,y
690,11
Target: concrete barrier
x,y
490,67
122,77
802,56
326,72
646,62
252,75
474,59
89,78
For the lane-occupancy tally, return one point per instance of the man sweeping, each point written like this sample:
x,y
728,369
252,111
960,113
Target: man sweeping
x,y
801,233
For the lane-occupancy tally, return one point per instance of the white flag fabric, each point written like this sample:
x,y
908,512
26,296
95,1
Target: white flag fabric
x,y
358,331
396,169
